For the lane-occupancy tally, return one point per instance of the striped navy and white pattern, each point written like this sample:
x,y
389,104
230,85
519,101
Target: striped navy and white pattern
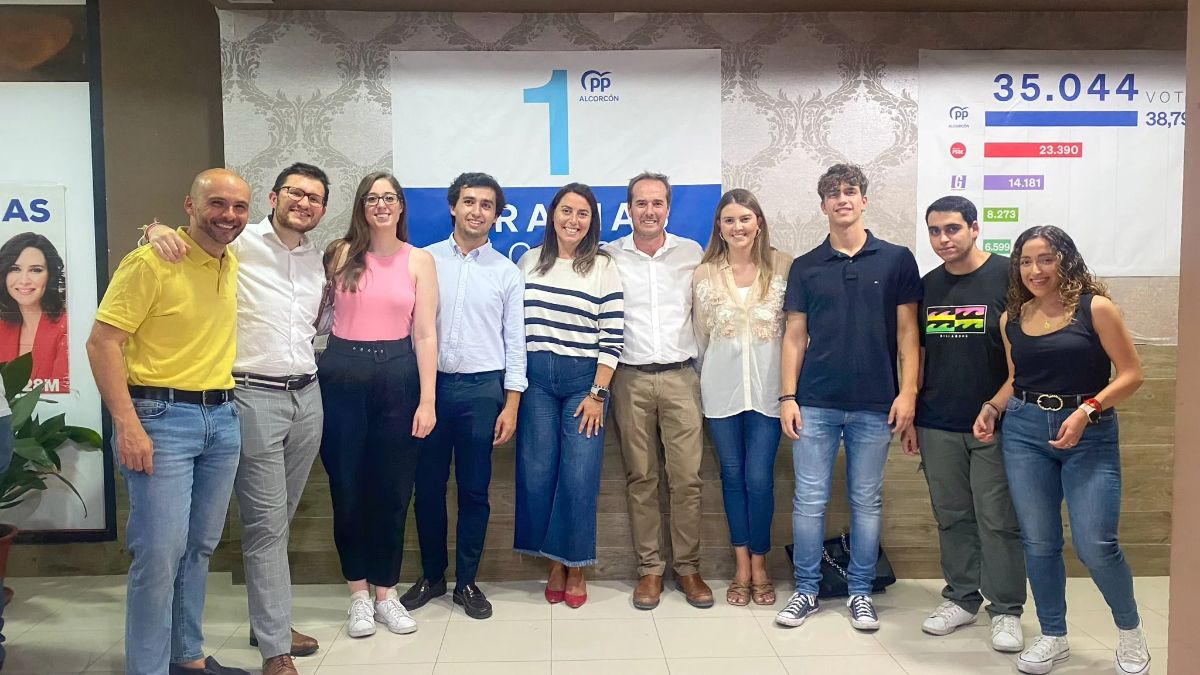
x,y
572,315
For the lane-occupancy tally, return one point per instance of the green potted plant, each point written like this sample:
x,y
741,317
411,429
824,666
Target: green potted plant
x,y
36,447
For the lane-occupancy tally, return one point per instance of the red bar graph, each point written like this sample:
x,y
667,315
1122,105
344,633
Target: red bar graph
x,y
1068,150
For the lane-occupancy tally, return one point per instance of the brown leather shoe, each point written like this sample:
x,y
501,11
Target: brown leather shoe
x,y
302,645
280,665
648,591
698,593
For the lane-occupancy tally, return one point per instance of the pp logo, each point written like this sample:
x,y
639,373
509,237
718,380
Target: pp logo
x,y
958,182
958,151
596,81
959,113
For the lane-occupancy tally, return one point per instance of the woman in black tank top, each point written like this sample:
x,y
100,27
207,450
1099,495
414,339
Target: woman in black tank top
x,y
1063,336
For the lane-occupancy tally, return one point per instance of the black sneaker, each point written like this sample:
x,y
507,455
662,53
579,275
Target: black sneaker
x,y
422,592
211,667
473,601
862,612
798,608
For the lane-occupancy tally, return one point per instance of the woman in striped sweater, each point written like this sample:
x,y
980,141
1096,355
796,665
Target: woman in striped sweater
x,y
574,319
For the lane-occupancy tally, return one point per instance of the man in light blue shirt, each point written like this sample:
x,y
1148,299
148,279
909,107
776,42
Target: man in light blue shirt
x,y
481,374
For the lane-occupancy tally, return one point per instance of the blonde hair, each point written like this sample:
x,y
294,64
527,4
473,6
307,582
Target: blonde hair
x,y
760,250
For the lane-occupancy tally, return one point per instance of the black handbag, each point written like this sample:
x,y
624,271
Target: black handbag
x,y
835,558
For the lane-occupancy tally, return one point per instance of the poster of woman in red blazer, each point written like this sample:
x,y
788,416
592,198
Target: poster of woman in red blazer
x,y
33,315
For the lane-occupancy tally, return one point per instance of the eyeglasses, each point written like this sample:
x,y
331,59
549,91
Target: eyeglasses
x,y
299,195
390,198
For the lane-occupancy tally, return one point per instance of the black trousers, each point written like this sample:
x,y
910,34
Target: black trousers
x,y
370,392
467,408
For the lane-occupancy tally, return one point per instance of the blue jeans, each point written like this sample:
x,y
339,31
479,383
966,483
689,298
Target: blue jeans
x,y
746,446
867,435
1089,476
558,468
175,521
467,407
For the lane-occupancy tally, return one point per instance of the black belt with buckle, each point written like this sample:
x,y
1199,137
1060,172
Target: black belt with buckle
x,y
284,383
206,397
1052,402
660,367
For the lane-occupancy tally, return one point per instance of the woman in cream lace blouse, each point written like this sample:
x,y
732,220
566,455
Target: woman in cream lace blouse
x,y
738,314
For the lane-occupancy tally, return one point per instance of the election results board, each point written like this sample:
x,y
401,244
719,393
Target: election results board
x,y
1090,141
539,120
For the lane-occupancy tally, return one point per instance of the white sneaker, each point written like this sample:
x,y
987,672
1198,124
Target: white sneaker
x,y
946,618
1046,651
1133,656
362,621
862,612
1007,635
393,615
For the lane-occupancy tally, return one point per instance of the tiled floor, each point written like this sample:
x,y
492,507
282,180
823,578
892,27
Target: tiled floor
x,y
74,625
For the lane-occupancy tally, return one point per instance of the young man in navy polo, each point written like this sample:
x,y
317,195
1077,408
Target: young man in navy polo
x,y
851,308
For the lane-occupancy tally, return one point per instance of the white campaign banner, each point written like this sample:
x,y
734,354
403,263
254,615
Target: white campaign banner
x,y
1089,141
539,120
47,212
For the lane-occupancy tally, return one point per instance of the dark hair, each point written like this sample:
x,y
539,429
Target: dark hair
x,y
54,298
834,176
954,204
589,248
358,236
306,170
760,252
647,175
468,180
1074,277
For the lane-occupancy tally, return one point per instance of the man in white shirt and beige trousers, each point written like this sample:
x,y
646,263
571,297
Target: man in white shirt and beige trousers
x,y
280,282
656,393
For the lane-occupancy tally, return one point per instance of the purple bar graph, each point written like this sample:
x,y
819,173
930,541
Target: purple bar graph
x,y
1014,182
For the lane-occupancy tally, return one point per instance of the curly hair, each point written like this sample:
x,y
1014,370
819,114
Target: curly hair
x,y
1074,277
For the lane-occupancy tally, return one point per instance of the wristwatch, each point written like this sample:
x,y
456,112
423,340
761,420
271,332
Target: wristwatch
x,y
599,393
1092,408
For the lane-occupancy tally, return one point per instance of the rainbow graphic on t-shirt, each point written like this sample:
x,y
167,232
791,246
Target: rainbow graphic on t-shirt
x,y
956,319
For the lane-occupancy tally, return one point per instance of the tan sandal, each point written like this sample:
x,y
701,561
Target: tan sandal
x,y
764,593
738,594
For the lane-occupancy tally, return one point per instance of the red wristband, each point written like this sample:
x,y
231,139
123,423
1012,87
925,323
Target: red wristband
x,y
1095,405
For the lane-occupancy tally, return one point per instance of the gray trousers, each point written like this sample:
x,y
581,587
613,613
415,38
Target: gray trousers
x,y
281,434
977,525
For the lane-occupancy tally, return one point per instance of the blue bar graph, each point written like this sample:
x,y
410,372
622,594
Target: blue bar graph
x,y
1061,118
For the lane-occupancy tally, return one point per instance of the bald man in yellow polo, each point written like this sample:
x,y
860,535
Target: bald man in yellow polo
x,y
162,351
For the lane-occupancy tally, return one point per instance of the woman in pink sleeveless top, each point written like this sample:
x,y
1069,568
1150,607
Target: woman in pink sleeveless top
x,y
377,385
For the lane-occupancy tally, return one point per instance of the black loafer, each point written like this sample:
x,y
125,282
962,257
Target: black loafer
x,y
422,592
473,602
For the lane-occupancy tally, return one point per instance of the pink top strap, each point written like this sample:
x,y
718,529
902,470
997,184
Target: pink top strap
x,y
382,308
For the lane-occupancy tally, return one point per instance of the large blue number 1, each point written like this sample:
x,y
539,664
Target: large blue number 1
x,y
554,94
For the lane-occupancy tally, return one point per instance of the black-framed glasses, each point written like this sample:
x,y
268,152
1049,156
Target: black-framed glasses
x,y
389,198
299,195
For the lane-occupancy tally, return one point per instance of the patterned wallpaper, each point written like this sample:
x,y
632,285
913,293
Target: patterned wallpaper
x,y
799,92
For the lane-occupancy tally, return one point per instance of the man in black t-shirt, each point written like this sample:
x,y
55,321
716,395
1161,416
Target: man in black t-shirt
x,y
848,370
962,365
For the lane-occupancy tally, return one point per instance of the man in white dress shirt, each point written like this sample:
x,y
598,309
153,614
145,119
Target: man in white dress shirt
x,y
656,392
280,280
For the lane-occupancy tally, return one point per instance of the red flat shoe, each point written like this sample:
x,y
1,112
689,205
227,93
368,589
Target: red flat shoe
x,y
575,601
555,597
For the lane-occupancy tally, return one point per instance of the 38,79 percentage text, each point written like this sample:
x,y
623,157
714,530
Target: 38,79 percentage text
x,y
1165,118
